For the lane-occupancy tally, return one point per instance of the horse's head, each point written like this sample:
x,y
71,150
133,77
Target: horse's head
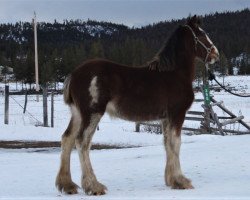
x,y
204,47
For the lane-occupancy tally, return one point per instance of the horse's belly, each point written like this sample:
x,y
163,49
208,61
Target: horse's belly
x,y
135,112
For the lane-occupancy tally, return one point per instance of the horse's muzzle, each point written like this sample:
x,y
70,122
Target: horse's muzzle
x,y
214,56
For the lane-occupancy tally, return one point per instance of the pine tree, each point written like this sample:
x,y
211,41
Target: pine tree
x,y
96,50
29,69
80,54
223,64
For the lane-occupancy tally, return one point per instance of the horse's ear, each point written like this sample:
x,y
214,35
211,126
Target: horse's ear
x,y
194,21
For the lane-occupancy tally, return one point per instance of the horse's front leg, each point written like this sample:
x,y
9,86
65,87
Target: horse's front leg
x,y
172,141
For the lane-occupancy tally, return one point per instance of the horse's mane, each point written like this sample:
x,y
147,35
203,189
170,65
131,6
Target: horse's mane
x,y
165,59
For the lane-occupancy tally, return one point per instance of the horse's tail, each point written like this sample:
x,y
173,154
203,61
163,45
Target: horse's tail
x,y
66,93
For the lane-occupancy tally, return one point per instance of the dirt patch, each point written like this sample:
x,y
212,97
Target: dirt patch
x,y
17,144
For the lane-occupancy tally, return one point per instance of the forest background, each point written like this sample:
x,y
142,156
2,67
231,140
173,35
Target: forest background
x,y
64,46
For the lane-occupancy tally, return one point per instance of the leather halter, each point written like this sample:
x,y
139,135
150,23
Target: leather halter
x,y
196,40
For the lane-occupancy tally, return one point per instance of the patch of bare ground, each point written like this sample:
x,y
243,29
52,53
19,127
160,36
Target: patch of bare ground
x,y
18,144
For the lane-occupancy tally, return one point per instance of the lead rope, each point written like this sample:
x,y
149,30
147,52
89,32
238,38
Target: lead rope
x,y
211,77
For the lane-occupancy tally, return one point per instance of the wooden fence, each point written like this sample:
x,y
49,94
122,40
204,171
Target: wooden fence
x,y
206,118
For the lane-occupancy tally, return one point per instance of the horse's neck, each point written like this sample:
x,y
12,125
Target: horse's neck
x,y
189,69
185,65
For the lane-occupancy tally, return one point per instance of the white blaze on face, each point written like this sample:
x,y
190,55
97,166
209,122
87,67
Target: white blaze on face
x,y
93,91
214,49
208,39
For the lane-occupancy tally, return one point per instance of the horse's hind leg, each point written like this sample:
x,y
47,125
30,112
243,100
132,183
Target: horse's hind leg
x,y
83,143
63,180
172,141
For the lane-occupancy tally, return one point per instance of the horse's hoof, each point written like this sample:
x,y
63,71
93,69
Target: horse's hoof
x,y
180,182
95,189
68,187
71,190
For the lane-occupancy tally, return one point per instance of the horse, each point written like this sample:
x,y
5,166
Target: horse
x,y
161,89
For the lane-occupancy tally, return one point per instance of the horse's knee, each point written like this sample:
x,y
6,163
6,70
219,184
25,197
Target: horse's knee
x,y
78,142
67,143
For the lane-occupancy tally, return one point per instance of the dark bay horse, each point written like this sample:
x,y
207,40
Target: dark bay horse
x,y
159,90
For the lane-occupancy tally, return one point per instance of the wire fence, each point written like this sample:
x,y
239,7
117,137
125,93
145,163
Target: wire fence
x,y
34,112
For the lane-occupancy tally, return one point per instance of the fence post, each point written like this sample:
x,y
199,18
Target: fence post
x,y
137,127
45,106
206,128
25,102
52,109
6,105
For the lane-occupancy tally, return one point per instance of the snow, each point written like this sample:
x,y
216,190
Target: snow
x,y
109,133
218,166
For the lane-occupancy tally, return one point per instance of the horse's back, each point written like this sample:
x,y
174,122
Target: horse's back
x,y
135,94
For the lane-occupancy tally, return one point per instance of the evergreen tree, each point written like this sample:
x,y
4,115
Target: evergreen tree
x,y
80,55
29,69
19,71
2,59
63,46
138,52
223,64
96,50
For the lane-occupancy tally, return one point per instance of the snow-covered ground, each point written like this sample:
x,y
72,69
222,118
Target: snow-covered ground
x,y
218,166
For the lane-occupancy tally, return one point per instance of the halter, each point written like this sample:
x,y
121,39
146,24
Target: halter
x,y
196,40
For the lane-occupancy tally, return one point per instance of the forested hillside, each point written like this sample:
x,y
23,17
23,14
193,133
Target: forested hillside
x,y
63,46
